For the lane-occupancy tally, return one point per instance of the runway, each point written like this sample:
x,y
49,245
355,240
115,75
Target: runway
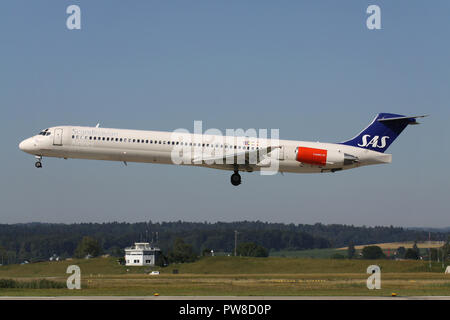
x,y
228,298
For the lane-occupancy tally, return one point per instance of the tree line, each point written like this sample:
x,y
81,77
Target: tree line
x,y
39,241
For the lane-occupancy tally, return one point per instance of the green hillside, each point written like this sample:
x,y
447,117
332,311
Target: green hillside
x,y
216,265
275,265
230,276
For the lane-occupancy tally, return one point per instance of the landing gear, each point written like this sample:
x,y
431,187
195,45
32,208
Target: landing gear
x,y
236,178
38,163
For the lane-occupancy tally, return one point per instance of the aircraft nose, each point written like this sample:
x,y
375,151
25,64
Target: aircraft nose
x,y
27,145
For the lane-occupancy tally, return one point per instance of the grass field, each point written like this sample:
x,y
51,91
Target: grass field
x,y
406,245
236,276
312,253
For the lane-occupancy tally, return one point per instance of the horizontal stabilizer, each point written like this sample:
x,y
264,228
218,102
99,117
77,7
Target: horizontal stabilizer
x,y
413,118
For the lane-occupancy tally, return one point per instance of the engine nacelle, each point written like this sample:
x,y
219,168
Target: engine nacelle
x,y
323,157
312,156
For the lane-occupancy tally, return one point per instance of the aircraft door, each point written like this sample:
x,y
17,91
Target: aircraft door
x,y
281,153
57,137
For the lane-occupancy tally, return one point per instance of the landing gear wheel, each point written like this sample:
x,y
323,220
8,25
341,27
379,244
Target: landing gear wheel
x,y
38,163
235,179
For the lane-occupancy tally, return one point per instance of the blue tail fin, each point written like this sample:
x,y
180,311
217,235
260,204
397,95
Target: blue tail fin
x,y
383,130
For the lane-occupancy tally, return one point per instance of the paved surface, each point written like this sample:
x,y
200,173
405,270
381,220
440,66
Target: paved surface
x,y
266,298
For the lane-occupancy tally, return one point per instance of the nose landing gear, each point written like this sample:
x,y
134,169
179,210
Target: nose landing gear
x,y
236,178
38,163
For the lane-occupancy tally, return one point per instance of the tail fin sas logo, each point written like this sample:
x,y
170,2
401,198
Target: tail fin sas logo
x,y
374,141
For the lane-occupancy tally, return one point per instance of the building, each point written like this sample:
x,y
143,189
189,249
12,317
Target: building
x,y
141,254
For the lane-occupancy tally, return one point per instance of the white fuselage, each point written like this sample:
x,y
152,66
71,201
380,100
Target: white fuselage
x,y
160,147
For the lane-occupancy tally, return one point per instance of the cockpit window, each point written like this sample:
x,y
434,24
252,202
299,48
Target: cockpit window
x,y
44,133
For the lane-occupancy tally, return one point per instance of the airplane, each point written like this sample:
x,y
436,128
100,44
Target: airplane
x,y
234,153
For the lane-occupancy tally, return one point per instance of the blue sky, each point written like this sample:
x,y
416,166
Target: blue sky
x,y
308,68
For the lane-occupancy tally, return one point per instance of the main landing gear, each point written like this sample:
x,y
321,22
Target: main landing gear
x,y
38,163
235,178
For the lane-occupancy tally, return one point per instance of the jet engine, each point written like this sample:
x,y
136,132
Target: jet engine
x,y
323,157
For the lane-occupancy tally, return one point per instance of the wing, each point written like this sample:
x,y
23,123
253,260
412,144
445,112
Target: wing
x,y
244,158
